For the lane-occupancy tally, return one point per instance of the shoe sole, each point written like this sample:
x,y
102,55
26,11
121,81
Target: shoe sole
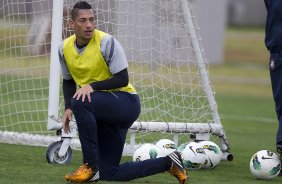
x,y
95,178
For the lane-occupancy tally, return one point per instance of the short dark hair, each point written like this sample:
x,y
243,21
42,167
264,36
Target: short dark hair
x,y
79,5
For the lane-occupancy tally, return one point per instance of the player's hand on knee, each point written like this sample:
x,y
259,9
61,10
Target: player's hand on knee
x,y
84,92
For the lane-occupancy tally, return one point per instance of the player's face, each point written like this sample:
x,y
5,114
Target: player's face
x,y
83,26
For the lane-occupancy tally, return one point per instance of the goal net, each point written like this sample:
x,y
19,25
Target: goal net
x,y
167,66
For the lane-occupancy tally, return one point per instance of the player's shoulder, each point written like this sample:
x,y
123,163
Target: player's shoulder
x,y
107,37
107,41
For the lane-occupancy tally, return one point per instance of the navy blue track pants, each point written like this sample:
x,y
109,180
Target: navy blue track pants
x,y
275,68
102,127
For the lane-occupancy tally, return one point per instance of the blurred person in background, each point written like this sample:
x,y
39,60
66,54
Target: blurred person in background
x,y
273,42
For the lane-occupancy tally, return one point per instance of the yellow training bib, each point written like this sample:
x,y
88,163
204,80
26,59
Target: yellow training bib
x,y
89,66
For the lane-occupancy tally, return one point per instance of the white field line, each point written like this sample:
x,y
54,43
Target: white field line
x,y
250,118
242,80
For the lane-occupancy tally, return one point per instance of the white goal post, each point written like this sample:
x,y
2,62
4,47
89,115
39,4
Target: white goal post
x,y
167,65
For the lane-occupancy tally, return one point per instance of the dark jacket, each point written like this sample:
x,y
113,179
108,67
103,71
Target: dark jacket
x,y
273,29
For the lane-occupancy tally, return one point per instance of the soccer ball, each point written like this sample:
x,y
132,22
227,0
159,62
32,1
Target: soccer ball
x,y
265,165
193,155
146,151
213,154
166,146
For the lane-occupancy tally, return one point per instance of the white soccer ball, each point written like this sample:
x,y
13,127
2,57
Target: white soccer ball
x,y
265,164
166,146
193,155
213,154
146,151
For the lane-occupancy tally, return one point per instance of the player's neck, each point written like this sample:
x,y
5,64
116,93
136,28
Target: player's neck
x,y
80,44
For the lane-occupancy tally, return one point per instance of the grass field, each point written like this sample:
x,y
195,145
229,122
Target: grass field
x,y
243,93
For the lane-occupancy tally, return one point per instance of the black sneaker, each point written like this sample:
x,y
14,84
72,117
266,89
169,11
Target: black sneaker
x,y
279,148
177,168
279,151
